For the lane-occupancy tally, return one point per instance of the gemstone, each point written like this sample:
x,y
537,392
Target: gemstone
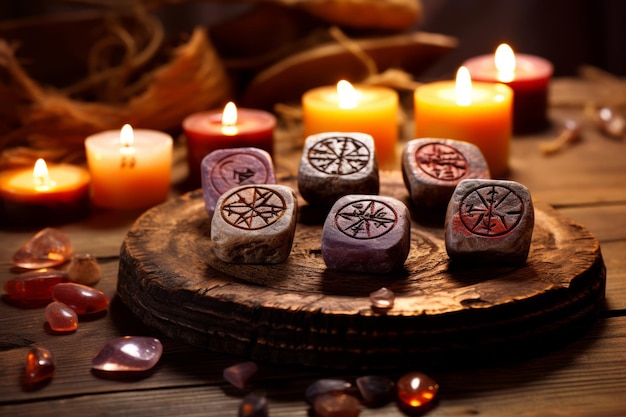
x,y
335,164
336,405
489,222
239,375
34,286
325,386
611,122
39,365
382,298
49,247
253,405
81,298
84,269
128,353
376,390
366,233
255,224
431,169
416,390
60,317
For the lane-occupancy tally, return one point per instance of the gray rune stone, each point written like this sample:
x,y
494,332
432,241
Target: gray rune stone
x,y
432,168
489,222
366,233
335,164
255,224
224,169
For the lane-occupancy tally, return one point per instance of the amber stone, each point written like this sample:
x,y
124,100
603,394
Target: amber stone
x,y
336,405
49,247
239,375
60,317
128,354
34,286
253,405
376,390
39,365
84,269
81,298
416,390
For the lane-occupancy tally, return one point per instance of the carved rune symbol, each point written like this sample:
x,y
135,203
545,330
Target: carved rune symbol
x,y
441,161
340,155
253,208
491,210
241,176
366,219
237,169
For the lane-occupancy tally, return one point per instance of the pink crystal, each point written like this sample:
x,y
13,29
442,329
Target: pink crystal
x,y
416,390
382,298
240,374
336,405
33,287
84,269
81,298
49,247
128,353
39,365
60,317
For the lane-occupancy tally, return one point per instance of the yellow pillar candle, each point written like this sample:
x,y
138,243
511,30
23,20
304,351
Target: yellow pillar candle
x,y
479,113
344,108
129,169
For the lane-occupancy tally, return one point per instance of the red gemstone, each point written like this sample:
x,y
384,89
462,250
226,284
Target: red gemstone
x,y
60,317
239,375
34,286
80,298
416,390
39,365
336,405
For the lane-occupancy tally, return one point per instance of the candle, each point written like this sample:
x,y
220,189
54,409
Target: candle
x,y
474,112
527,75
230,128
130,169
44,194
365,109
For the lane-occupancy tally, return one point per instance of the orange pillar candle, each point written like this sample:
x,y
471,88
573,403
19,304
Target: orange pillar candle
x,y
475,112
43,194
347,108
130,169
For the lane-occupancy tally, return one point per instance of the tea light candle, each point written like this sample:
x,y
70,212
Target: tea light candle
x,y
527,75
347,108
44,194
478,113
230,128
130,169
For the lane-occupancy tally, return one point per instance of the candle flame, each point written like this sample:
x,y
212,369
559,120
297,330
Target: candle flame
x,y
463,87
127,137
41,177
229,119
505,63
348,98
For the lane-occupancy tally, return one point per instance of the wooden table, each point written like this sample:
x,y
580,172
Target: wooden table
x,y
583,377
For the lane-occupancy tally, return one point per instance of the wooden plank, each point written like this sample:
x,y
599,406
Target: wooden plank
x,y
607,222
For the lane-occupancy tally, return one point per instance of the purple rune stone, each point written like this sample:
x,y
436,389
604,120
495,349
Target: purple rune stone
x,y
224,169
365,233
432,168
253,405
325,386
239,375
128,354
335,164
376,390
489,222
49,247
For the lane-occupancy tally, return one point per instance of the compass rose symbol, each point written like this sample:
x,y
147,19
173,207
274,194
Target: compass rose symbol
x,y
253,208
491,210
441,161
366,219
339,155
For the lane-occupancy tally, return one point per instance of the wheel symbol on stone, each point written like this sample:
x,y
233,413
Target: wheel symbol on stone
x,y
253,208
491,210
366,219
441,161
339,155
237,169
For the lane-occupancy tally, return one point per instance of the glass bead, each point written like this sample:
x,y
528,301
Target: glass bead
x,y
128,353
60,317
81,298
49,247
325,386
382,298
375,390
336,405
416,390
34,286
239,375
39,365
253,405
84,269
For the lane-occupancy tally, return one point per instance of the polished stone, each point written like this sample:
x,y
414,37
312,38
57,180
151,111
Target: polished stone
x,y
34,286
240,375
253,405
84,269
325,386
60,317
489,222
382,299
81,298
376,390
336,405
335,164
48,247
128,354
416,390
39,365
366,233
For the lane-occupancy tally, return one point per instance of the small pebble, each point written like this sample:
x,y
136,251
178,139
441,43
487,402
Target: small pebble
x,y
84,269
382,298
39,365
253,405
81,298
416,390
241,374
60,317
336,405
128,354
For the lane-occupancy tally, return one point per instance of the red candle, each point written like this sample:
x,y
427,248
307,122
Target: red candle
x,y
44,195
232,128
527,75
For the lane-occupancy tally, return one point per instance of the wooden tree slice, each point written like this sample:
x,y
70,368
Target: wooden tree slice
x,y
300,313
